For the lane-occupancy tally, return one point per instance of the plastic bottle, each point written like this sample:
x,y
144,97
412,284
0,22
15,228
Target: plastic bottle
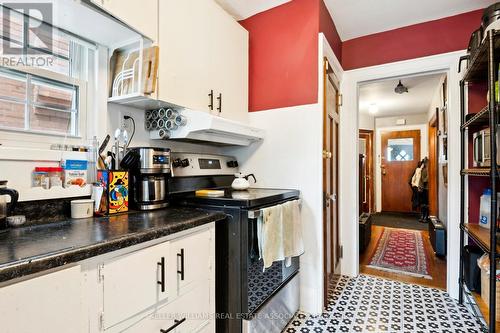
x,y
485,209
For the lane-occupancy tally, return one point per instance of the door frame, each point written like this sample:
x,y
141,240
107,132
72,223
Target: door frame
x,y
442,63
433,130
378,148
329,75
368,135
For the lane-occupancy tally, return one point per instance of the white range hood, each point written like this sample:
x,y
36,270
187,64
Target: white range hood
x,y
207,128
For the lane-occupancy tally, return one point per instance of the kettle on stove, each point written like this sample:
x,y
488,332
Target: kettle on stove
x,y
14,196
241,182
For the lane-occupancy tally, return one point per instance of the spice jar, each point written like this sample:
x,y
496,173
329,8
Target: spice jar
x,y
56,176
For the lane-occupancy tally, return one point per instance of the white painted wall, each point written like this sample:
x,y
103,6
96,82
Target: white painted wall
x,y
411,119
446,63
290,157
437,102
366,121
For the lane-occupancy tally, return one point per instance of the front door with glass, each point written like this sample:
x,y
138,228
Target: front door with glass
x,y
400,157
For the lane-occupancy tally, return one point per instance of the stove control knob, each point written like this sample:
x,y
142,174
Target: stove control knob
x,y
232,164
176,163
185,163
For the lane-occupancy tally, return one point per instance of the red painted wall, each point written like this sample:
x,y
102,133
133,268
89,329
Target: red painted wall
x,y
283,59
327,27
419,40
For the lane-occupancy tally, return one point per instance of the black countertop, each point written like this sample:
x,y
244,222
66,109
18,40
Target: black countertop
x,y
37,248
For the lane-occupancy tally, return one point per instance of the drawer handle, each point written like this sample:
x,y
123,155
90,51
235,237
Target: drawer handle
x,y
162,272
219,98
211,96
181,272
177,323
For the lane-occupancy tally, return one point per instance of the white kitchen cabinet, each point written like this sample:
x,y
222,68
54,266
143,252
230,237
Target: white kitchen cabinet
x,y
134,282
141,15
191,263
203,49
132,300
189,313
49,303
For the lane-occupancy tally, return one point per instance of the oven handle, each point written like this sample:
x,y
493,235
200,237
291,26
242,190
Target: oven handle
x,y
255,214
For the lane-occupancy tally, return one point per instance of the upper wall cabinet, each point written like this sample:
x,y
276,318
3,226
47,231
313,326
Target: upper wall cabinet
x,y
203,59
142,15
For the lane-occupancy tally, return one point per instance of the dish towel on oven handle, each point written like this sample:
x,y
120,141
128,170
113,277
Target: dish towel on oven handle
x,y
293,244
279,233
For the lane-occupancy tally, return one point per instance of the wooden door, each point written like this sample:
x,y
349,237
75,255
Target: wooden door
x,y
433,167
331,232
400,157
366,191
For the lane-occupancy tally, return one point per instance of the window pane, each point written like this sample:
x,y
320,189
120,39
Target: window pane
x,y
48,39
52,96
400,149
13,86
12,25
48,120
50,62
11,115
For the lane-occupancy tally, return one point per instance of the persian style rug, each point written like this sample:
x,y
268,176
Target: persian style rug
x,y
401,251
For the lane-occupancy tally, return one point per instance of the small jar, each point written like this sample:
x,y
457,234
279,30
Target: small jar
x,y
41,178
56,176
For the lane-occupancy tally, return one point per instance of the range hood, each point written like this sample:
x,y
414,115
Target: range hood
x,y
207,128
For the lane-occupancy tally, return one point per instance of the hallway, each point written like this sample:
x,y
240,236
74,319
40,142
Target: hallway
x,y
372,304
436,265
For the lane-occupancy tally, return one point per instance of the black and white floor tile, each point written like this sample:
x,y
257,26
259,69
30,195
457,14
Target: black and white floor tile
x,y
371,304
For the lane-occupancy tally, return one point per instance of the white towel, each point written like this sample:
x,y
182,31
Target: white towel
x,y
270,235
293,243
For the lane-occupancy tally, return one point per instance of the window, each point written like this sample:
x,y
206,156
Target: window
x,y
400,149
32,103
41,89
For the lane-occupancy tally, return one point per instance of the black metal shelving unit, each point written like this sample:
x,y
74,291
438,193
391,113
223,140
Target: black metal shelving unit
x,y
483,66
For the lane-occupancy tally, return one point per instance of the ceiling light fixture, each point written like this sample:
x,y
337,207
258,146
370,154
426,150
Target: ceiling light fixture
x,y
373,108
400,88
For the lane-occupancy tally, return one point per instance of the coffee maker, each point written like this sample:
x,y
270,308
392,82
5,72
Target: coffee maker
x,y
149,178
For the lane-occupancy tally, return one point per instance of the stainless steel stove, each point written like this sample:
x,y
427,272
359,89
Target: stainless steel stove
x,y
246,295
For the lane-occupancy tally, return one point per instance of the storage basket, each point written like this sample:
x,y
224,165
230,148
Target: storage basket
x,y
485,287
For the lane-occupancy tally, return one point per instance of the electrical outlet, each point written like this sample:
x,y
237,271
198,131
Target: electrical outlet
x,y
125,124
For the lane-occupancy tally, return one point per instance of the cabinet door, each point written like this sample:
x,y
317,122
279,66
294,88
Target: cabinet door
x,y
193,312
142,15
132,283
230,66
185,30
49,303
190,259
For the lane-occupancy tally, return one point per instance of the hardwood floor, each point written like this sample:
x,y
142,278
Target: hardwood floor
x,y
437,266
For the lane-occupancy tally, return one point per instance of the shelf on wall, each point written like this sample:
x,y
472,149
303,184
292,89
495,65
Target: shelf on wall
x,y
478,172
478,65
142,102
479,119
480,235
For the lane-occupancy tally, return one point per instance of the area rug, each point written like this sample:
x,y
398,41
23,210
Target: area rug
x,y
401,251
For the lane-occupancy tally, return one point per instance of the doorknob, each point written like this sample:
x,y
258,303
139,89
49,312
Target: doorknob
x,y
333,197
327,154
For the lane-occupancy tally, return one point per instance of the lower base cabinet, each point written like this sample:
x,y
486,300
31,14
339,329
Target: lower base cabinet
x,y
160,287
48,303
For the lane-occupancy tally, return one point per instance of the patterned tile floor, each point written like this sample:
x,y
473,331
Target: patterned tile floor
x,y
371,304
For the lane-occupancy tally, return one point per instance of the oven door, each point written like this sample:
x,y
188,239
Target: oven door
x,y
258,284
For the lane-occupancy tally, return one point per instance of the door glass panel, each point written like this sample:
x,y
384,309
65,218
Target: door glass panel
x,y
400,149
